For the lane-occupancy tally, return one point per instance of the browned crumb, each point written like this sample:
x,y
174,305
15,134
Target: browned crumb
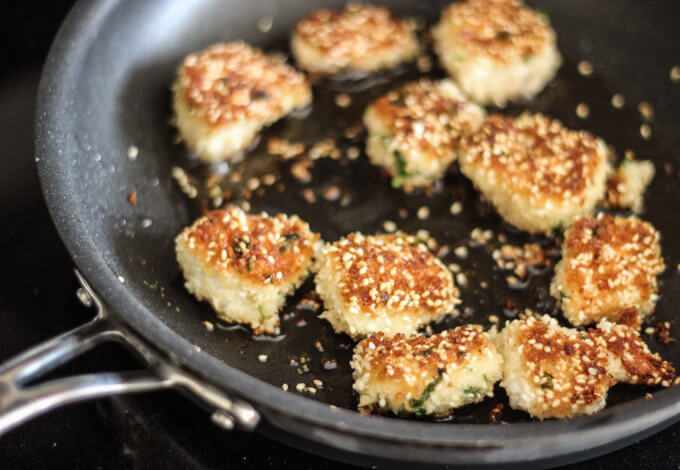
x,y
284,148
132,197
662,333
518,259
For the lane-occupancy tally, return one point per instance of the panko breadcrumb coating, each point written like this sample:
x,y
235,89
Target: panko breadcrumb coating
x,y
362,38
630,359
497,50
627,185
425,375
609,265
245,265
538,174
382,283
414,131
225,94
550,371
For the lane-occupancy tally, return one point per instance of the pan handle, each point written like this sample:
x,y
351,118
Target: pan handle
x,y
22,398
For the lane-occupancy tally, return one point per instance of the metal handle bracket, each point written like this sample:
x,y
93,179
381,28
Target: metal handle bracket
x,y
20,402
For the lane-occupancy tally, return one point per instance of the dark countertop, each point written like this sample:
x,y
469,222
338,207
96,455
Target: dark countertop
x,y
37,301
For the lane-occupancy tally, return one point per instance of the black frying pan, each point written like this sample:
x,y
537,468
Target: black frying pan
x,y
106,87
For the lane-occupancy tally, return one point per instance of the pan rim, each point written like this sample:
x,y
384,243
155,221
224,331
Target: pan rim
x,y
514,443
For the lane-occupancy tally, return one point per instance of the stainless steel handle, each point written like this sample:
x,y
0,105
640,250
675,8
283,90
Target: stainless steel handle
x,y
20,401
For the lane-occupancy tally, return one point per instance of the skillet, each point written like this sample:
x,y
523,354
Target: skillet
x,y
105,88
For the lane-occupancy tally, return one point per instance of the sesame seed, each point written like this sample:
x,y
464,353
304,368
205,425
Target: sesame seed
x,y
209,326
121,279
461,251
353,152
389,226
343,100
618,101
646,110
675,74
253,184
300,387
264,24
645,131
456,208
582,110
461,279
423,212
132,153
585,68
284,387
262,358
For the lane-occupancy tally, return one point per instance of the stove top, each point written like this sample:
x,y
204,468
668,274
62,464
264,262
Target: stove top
x,y
37,301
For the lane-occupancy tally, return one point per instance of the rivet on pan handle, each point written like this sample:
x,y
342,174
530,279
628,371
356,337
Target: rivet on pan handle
x,y
20,402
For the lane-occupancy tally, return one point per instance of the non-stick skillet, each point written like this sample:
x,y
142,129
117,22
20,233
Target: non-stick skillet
x,y
106,87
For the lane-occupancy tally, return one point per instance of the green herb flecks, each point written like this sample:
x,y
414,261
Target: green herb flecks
x,y
548,382
419,405
400,166
289,240
260,95
259,309
400,100
460,58
472,390
251,261
241,246
428,351
544,13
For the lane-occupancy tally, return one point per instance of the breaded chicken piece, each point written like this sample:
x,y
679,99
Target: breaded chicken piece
x,y
425,375
538,174
497,50
382,283
630,360
245,265
225,94
609,265
550,371
362,38
627,185
414,131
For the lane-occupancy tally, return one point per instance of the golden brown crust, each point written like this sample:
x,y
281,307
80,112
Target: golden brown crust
x,y
611,264
392,272
569,368
419,116
544,159
230,82
640,365
415,361
355,32
260,248
503,30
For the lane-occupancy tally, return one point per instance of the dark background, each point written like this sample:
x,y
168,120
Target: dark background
x,y
37,301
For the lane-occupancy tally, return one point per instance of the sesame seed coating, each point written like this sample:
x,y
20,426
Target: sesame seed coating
x,y
230,82
425,374
388,283
630,359
259,248
422,116
500,30
362,37
536,172
551,371
609,265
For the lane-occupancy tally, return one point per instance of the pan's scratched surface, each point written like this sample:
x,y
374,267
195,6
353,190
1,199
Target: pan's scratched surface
x,y
630,55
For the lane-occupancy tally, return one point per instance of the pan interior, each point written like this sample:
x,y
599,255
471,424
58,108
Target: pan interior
x,y
123,100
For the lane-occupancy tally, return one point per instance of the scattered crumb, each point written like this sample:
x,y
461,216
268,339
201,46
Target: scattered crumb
x,y
675,74
496,411
332,193
662,333
456,208
309,195
209,326
284,148
132,197
518,259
